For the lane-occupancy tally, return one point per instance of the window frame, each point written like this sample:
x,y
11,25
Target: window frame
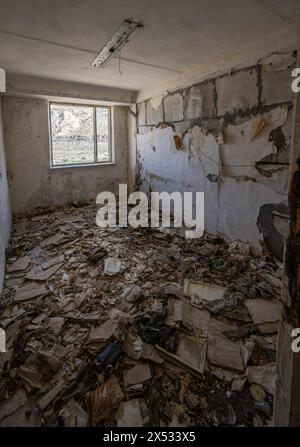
x,y
110,135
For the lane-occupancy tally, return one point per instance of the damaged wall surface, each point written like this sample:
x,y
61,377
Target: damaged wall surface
x,y
34,184
229,137
5,214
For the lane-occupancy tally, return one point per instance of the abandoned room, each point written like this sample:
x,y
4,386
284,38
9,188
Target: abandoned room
x,y
149,213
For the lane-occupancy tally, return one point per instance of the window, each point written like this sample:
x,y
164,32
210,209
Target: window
x,y
80,134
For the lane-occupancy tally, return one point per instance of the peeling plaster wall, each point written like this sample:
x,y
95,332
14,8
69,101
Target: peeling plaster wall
x,y
235,133
287,392
5,213
33,183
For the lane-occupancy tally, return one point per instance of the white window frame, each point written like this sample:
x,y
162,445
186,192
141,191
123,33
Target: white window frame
x,y
110,136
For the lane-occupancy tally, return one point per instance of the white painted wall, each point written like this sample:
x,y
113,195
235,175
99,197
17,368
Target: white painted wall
x,y
33,183
231,207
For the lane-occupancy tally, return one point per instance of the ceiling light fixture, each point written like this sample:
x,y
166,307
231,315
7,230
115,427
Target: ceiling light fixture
x,y
116,42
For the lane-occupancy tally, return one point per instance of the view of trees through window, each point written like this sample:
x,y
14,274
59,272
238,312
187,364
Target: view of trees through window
x,y
79,134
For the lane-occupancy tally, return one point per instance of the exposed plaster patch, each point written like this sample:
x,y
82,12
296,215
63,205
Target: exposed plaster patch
x,y
156,101
240,152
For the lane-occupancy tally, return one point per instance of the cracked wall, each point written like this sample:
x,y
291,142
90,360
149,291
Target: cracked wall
x,y
229,137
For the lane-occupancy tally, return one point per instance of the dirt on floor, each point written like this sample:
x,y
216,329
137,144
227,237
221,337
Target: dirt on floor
x,y
134,327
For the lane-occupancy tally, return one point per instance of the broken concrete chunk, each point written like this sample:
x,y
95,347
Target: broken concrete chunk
x,y
224,352
191,315
104,332
204,291
150,354
29,291
52,240
178,311
129,414
264,376
137,374
19,265
112,266
53,261
55,324
131,294
37,274
269,328
11,283
193,352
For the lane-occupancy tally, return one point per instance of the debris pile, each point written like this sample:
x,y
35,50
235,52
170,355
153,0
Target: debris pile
x,y
135,327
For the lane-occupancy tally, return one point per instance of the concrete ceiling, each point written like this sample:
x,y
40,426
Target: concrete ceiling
x,y
58,39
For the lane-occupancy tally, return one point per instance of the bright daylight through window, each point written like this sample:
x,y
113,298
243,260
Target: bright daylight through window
x,y
80,135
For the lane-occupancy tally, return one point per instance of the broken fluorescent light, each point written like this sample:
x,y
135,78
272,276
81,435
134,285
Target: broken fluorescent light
x,y
116,42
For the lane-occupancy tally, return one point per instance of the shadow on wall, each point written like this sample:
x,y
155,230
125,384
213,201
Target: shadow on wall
x,y
273,223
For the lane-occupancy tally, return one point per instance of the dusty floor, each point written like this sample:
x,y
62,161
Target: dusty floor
x,y
74,290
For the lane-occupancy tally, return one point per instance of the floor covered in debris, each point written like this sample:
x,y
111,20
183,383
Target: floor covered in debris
x,y
135,327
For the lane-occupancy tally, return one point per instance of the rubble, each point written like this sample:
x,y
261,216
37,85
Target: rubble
x,y
130,414
264,376
137,374
104,400
73,415
29,291
264,313
203,291
19,264
112,266
135,327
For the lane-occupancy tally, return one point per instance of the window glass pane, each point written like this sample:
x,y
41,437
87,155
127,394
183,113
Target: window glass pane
x,y
72,129
103,134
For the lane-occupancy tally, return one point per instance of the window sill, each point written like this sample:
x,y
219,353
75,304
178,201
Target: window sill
x,y
85,165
